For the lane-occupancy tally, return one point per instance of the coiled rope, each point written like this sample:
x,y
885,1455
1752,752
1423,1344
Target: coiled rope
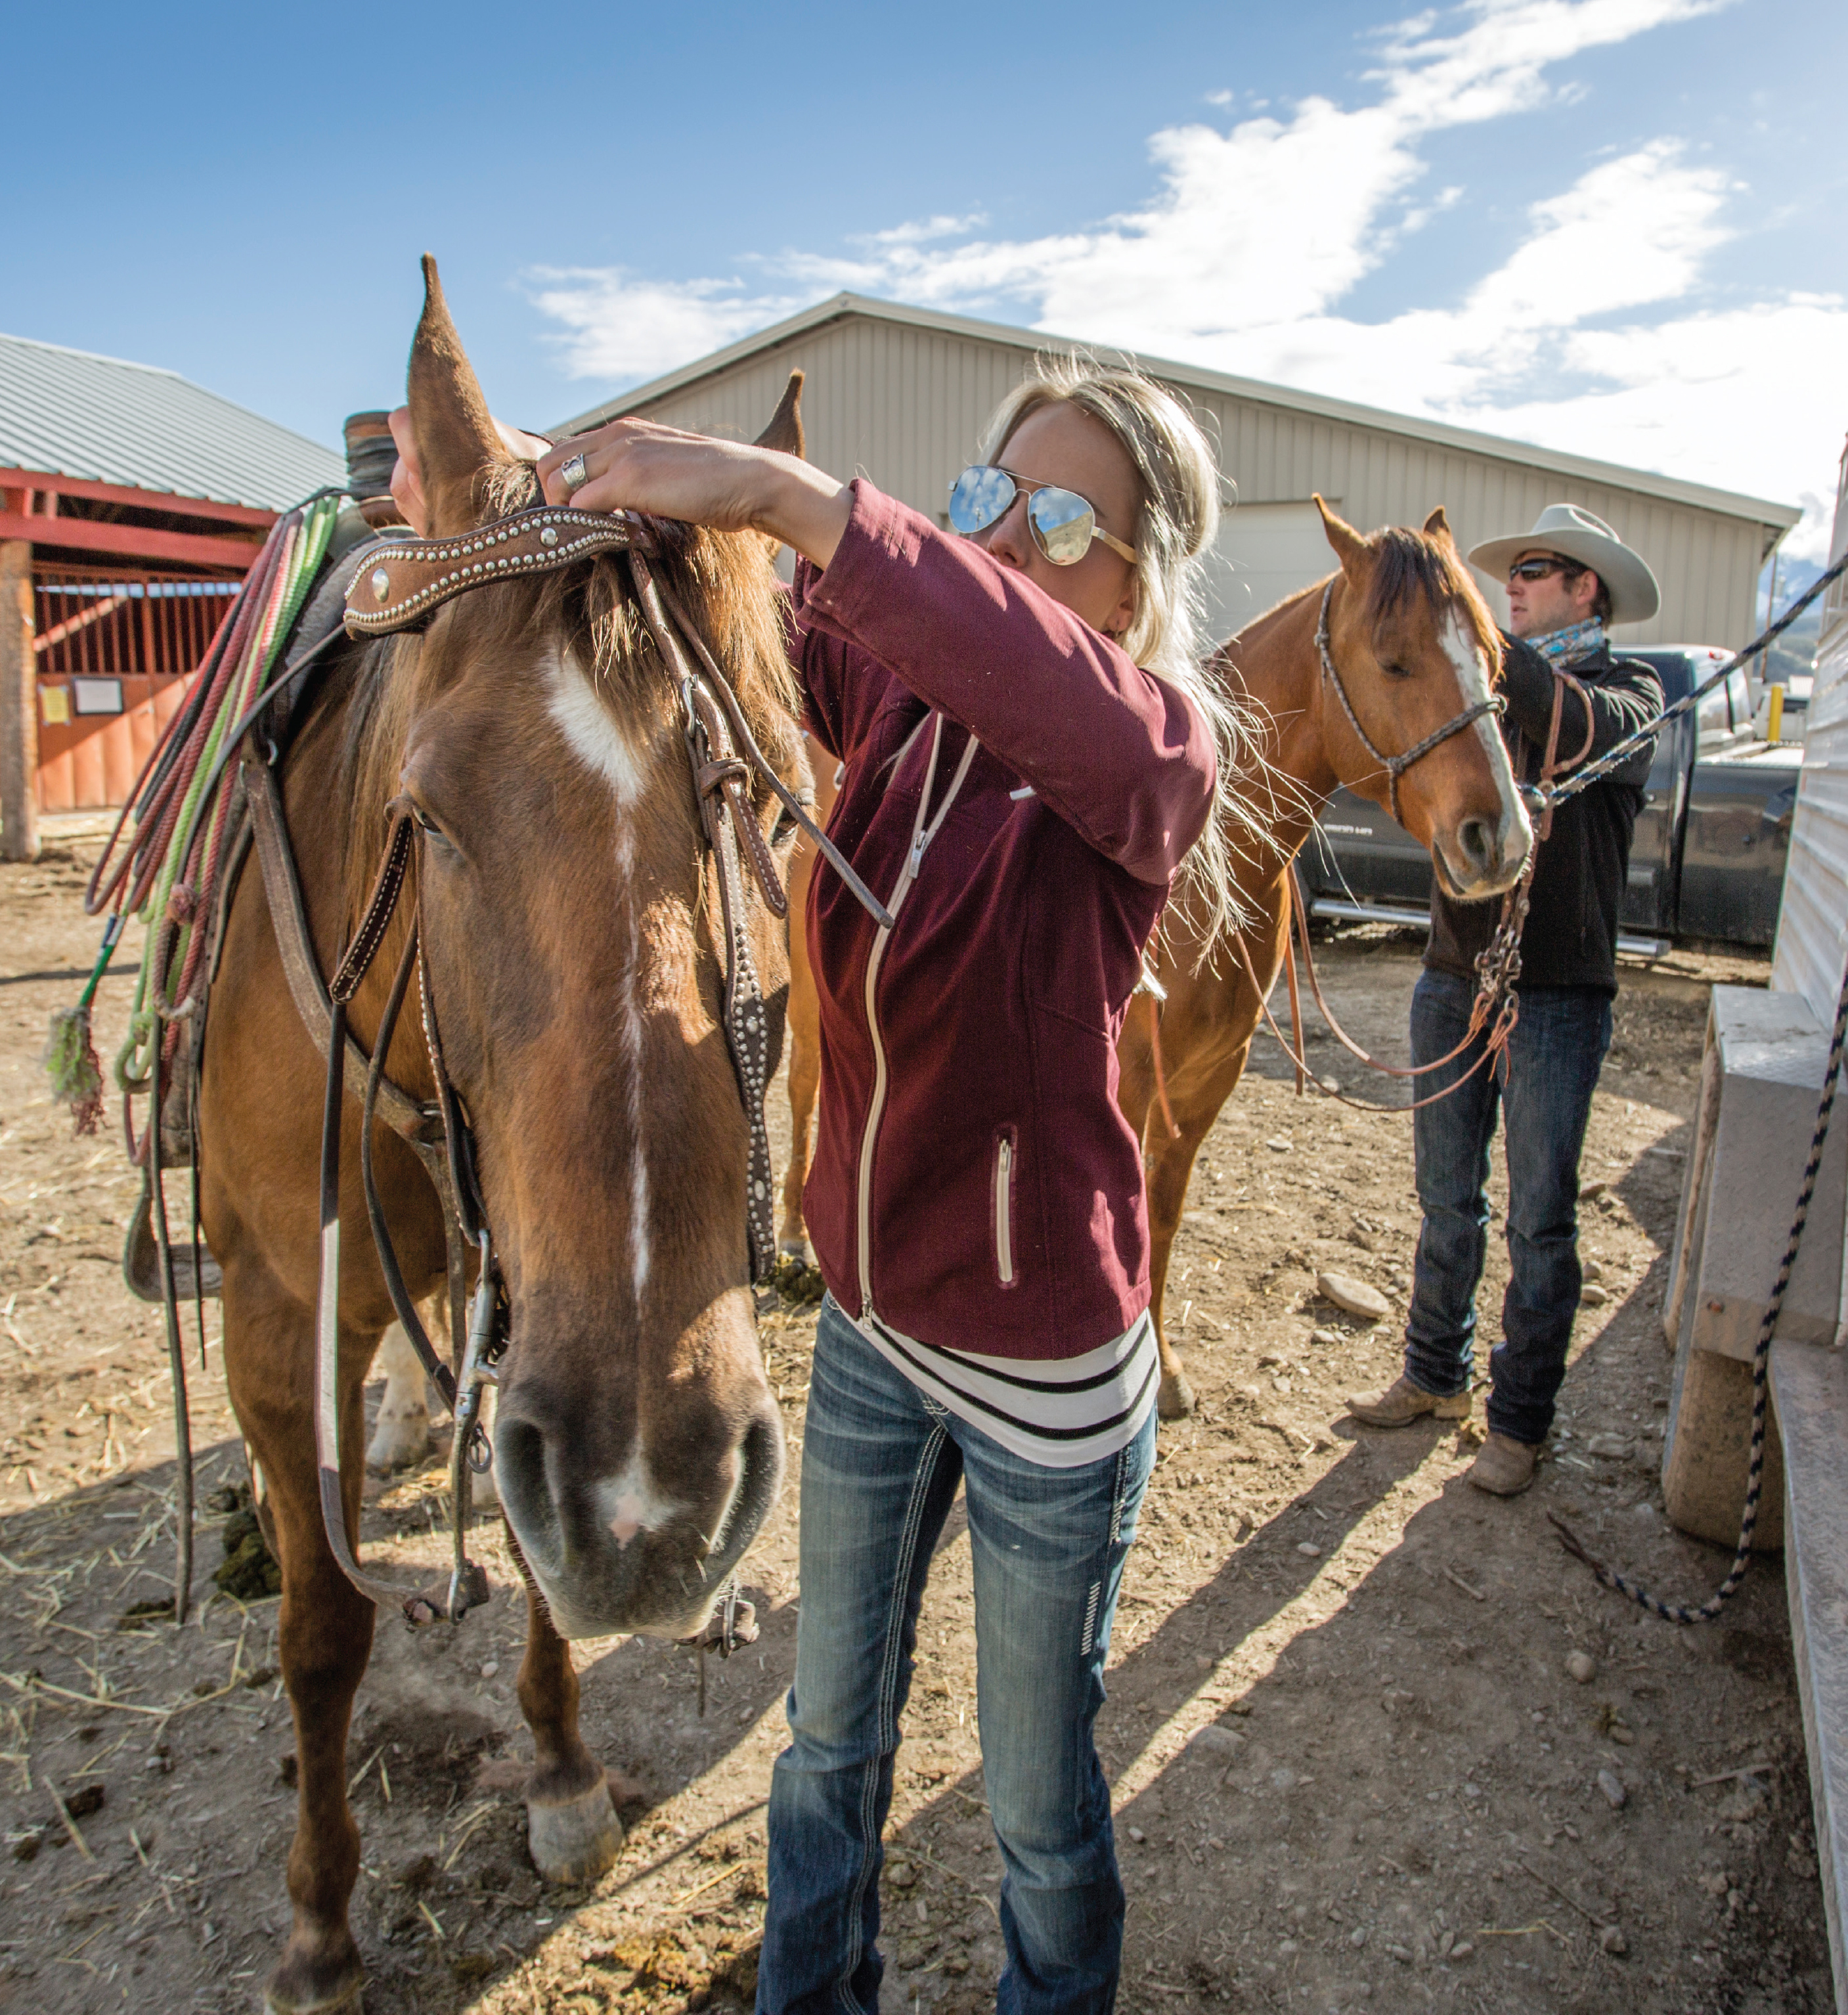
x,y
168,877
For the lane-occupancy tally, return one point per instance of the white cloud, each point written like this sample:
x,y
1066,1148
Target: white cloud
x,y
1593,335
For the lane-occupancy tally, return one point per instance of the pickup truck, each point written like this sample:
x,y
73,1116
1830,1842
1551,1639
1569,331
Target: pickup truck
x,y
1707,860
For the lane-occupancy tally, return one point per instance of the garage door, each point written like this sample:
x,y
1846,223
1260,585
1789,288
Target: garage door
x,y
1265,551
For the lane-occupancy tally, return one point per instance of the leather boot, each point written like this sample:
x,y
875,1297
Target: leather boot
x,y
1505,1468
1402,1402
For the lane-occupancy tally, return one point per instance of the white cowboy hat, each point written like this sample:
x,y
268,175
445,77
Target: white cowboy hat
x,y
1574,534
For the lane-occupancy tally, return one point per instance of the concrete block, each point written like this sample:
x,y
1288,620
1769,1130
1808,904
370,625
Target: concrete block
x,y
1708,1453
1810,1388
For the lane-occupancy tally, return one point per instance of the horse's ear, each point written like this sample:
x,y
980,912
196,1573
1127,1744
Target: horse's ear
x,y
784,433
1350,547
456,437
1438,526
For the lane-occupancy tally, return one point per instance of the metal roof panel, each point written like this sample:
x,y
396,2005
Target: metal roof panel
x,y
69,413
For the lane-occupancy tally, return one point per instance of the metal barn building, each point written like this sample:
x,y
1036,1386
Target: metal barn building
x,y
899,394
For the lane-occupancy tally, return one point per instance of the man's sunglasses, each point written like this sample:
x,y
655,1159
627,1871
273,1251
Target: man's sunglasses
x,y
1541,570
1063,522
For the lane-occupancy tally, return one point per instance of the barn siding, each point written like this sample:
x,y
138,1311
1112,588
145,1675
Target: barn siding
x,y
904,404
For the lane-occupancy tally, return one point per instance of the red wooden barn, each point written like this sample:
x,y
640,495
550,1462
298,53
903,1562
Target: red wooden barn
x,y
131,503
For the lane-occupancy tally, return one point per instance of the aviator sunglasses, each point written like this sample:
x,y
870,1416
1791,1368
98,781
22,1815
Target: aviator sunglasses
x,y
1538,569
1063,522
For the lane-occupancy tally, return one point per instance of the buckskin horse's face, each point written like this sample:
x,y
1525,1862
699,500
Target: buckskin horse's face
x,y
1416,646
569,922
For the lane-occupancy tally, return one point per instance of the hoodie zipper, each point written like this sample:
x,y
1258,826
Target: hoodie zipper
x,y
921,836
1004,1209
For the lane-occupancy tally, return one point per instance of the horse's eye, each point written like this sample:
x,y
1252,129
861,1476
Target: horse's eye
x,y
425,820
785,829
1396,671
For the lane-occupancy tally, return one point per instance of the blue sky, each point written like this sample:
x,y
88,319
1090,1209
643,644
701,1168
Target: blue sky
x,y
1615,226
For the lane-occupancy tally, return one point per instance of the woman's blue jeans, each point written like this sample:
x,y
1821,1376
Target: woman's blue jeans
x,y
1553,1063
880,1463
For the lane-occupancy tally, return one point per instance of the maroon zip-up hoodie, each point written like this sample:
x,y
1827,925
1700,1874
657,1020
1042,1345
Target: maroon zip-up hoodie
x,y
974,1183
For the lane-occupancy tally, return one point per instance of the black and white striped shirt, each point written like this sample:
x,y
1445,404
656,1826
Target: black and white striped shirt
x,y
1061,1414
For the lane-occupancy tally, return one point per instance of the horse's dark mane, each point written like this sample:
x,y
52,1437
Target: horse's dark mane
x,y
1408,564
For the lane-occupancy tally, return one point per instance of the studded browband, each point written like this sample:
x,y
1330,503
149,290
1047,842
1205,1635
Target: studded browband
x,y
403,582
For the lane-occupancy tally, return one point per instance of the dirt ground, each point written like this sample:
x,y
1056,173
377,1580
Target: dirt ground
x,y
1349,1766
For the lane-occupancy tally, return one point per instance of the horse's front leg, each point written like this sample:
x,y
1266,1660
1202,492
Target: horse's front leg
x,y
325,1630
401,1434
805,1082
572,1826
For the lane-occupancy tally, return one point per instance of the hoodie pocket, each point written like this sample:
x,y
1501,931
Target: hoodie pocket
x,y
1006,1154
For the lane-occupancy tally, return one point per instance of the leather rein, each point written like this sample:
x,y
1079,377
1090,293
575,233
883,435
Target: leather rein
x,y
397,586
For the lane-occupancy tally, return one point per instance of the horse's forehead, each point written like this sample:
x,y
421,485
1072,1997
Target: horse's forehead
x,y
613,749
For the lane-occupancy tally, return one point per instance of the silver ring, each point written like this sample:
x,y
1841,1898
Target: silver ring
x,y
573,475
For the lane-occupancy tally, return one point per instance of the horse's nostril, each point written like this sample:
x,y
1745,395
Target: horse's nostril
x,y
1477,837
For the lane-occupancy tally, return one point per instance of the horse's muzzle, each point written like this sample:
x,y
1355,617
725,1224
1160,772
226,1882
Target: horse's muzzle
x,y
649,1549
1484,857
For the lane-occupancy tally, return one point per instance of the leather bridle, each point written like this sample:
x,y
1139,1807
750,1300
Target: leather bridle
x,y
1395,767
399,586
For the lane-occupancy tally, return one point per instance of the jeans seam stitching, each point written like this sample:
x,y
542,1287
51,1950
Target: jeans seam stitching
x,y
887,1714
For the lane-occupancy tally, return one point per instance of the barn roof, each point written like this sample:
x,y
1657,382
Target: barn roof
x,y
68,413
1438,433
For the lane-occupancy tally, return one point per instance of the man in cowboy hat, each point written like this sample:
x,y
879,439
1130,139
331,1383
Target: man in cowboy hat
x,y
1567,580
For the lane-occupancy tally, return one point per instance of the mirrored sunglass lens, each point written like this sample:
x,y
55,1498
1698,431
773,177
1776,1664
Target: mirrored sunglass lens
x,y
1063,520
979,496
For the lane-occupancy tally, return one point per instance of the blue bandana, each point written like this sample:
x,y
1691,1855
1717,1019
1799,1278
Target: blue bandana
x,y
1577,640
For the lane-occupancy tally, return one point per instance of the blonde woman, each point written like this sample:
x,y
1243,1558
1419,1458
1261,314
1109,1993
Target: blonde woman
x,y
1029,758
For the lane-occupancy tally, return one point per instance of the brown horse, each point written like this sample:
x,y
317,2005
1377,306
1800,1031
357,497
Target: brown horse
x,y
1414,646
569,921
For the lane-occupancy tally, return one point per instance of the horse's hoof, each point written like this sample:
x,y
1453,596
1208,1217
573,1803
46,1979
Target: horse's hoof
x,y
1174,1401
576,1842
306,1984
793,1246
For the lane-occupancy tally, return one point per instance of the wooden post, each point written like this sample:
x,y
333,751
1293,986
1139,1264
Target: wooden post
x,y
19,705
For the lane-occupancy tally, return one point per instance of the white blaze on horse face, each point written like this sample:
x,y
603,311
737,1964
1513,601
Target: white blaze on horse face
x,y
592,730
1473,676
597,739
629,1504
638,1233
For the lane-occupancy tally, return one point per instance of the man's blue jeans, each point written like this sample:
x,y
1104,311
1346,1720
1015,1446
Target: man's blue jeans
x,y
1558,1050
880,1463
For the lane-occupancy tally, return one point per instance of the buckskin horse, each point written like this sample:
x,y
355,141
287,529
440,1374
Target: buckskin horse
x,y
566,906
1397,647
1380,677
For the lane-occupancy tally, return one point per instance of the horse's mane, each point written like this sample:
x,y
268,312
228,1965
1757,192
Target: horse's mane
x,y
1409,563
723,581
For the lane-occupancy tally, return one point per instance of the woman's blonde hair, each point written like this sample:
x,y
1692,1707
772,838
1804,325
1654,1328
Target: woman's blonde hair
x,y
1179,522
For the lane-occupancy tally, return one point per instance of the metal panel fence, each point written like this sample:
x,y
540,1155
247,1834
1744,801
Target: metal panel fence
x,y
1813,926
115,647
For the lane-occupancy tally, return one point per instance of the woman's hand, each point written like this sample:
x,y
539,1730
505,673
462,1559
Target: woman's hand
x,y
636,464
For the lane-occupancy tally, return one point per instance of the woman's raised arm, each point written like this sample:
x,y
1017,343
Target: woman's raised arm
x,y
636,464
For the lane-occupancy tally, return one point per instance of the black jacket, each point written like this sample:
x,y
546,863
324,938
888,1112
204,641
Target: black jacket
x,y
1571,934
